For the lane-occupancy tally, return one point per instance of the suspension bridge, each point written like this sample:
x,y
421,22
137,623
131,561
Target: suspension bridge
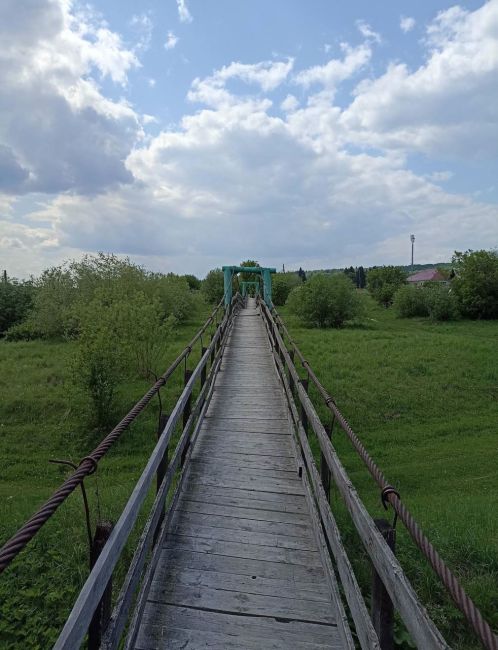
x,y
240,549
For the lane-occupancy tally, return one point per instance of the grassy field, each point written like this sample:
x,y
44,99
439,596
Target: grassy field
x,y
43,417
424,399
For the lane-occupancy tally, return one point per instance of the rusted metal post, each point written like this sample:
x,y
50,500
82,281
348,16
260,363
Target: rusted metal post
x,y
102,614
304,417
186,412
324,468
161,471
382,606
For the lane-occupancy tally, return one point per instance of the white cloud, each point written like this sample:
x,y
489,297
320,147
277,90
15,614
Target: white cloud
x,y
212,91
336,70
439,177
406,23
143,26
329,186
58,132
171,41
366,31
289,104
446,106
183,12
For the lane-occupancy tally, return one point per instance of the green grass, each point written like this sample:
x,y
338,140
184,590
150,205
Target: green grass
x,y
42,416
423,398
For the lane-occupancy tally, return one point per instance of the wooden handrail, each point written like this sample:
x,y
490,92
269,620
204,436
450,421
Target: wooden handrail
x,y
413,613
76,626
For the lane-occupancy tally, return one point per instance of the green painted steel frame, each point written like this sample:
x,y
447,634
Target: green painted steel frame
x,y
245,285
264,271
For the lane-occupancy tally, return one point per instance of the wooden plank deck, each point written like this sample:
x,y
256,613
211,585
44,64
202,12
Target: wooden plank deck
x,y
241,566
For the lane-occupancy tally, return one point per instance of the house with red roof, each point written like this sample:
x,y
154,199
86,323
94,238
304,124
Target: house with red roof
x,y
427,275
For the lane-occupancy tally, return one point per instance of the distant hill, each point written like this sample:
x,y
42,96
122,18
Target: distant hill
x,y
407,268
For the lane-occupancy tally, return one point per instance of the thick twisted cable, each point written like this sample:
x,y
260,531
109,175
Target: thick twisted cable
x,y
28,530
461,599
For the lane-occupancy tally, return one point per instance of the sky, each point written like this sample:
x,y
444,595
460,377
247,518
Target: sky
x,y
189,134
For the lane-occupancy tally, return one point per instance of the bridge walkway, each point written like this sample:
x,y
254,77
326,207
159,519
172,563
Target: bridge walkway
x,y
240,566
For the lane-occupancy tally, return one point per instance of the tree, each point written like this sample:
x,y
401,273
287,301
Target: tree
x,y
325,300
213,286
16,300
476,283
282,285
302,274
351,274
193,282
361,280
384,281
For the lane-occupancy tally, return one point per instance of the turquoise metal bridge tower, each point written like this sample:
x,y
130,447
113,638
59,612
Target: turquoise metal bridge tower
x,y
263,271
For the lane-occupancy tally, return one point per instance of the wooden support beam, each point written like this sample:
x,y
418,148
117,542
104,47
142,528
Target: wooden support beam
x,y
161,470
382,606
325,474
187,409
303,414
102,613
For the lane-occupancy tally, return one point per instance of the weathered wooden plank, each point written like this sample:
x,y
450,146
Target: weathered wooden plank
x,y
255,461
283,589
299,530
243,536
175,637
274,500
250,509
284,556
237,425
266,568
259,630
257,484
240,602
211,466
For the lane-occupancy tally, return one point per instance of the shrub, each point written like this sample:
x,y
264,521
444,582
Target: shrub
x,y
174,295
325,300
282,285
119,335
383,282
16,300
476,283
432,299
213,286
442,303
410,301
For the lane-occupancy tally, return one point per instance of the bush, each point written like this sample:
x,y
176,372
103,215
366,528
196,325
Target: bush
x,y
410,301
174,295
16,300
325,300
119,335
384,282
432,299
442,303
213,286
282,285
476,283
